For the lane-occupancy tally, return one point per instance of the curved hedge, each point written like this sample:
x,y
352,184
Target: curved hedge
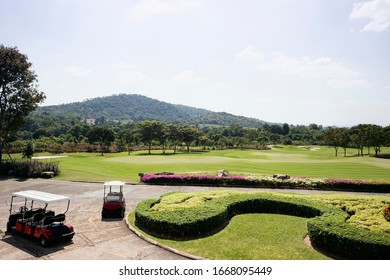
x,y
327,225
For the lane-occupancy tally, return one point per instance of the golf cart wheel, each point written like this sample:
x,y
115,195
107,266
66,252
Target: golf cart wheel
x,y
43,241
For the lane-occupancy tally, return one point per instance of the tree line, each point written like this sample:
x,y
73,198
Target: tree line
x,y
358,137
117,137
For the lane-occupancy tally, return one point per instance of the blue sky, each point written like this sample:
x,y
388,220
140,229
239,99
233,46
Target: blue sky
x,y
300,62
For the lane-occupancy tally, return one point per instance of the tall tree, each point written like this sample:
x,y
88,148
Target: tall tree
x,y
376,137
332,138
19,94
189,134
150,131
102,135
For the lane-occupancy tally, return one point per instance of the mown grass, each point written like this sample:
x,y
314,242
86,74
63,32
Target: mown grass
x,y
296,161
251,237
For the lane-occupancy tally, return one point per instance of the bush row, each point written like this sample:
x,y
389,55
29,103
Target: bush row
x,y
333,234
327,224
259,181
28,168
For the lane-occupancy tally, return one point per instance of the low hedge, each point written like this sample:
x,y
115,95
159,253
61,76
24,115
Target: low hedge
x,y
332,234
327,225
28,168
264,181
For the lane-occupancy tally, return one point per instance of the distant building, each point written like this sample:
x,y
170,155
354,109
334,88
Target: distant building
x,y
90,121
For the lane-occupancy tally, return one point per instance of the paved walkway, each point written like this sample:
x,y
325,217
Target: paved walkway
x,y
95,239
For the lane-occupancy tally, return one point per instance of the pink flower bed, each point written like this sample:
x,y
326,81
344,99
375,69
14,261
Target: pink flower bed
x,y
265,181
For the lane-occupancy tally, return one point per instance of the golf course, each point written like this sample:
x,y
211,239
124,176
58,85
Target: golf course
x,y
308,161
256,234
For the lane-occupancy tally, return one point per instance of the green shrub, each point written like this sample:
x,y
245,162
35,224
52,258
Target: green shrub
x,y
341,239
28,168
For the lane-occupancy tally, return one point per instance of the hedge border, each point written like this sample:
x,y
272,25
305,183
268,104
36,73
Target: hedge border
x,y
326,225
327,184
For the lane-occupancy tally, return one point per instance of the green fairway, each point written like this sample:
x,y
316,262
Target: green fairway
x,y
293,160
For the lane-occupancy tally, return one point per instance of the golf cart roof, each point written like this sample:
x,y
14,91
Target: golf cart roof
x,y
114,183
41,196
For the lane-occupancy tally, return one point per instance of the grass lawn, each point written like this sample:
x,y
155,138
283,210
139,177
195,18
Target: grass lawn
x,y
293,160
251,237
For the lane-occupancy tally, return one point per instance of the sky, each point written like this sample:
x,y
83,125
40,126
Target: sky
x,y
285,61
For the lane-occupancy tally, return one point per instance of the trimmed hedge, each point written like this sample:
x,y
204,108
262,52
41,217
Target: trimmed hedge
x,y
263,181
327,225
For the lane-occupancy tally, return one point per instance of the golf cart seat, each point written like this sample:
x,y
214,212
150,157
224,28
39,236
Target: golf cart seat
x,y
28,215
114,197
37,218
48,220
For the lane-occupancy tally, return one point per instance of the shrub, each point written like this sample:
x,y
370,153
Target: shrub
x,y
28,168
386,213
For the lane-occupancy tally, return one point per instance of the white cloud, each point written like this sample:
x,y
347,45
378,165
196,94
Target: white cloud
x,y
148,8
188,76
128,73
249,53
322,68
77,71
378,11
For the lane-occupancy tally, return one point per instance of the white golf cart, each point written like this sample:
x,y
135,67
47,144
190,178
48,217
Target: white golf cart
x,y
39,222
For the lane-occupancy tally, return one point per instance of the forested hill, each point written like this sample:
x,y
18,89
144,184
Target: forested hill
x,y
136,108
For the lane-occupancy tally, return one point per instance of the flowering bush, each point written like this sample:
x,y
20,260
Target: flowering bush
x,y
191,179
266,181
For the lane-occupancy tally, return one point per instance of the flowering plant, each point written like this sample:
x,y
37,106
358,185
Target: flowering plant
x,y
266,181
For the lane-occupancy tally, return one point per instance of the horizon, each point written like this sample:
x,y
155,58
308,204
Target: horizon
x,y
311,61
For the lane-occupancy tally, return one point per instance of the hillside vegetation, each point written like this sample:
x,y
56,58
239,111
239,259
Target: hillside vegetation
x,y
137,108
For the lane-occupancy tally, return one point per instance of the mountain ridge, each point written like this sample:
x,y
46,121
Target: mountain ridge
x,y
136,108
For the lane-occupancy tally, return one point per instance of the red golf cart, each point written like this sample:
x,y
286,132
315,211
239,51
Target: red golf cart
x,y
39,222
114,204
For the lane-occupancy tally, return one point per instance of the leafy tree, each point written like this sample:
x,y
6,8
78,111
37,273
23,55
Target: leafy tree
x,y
345,139
358,138
78,132
28,151
174,136
128,136
332,138
189,134
102,135
163,136
375,137
149,131
386,135
19,93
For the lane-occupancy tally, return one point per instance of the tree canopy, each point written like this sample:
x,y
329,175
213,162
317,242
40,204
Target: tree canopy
x,y
19,94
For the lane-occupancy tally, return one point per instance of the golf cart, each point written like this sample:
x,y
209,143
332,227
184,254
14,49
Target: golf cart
x,y
39,222
114,204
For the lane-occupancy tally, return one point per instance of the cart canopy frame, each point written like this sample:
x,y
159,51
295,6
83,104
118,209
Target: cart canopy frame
x,y
39,196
